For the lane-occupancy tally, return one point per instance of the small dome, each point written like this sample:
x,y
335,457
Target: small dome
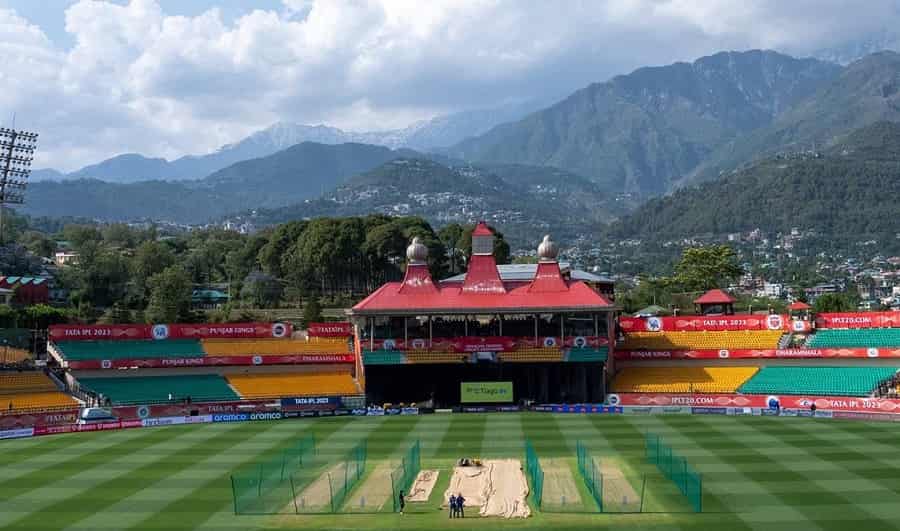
x,y
416,253
548,250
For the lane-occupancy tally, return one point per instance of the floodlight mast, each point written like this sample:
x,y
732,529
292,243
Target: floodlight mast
x,y
16,154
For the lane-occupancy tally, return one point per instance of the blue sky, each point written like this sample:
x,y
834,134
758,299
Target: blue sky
x,y
167,78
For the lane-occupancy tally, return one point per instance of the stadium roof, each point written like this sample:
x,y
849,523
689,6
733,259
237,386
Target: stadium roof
x,y
526,272
715,296
482,290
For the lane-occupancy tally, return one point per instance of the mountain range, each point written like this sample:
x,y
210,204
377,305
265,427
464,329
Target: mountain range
x,y
845,193
596,154
641,133
423,135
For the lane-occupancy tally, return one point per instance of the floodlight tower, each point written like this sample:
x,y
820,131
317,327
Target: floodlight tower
x,y
16,154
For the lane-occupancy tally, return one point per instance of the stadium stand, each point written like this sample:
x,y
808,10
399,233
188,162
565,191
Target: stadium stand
x,y
706,340
836,381
274,347
427,356
111,350
681,379
525,355
293,384
11,355
588,354
31,390
383,357
148,389
855,337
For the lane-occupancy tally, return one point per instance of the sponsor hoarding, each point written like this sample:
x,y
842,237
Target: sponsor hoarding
x,y
16,433
55,418
858,320
169,331
730,322
485,392
788,353
792,402
342,329
207,361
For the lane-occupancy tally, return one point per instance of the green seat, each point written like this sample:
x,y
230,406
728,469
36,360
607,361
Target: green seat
x,y
149,389
383,357
114,350
588,354
833,381
855,337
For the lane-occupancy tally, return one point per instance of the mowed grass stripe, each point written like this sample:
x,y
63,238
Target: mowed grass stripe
x,y
94,473
544,433
387,440
71,447
215,497
825,508
183,479
464,436
78,463
845,463
99,497
502,437
20,450
670,427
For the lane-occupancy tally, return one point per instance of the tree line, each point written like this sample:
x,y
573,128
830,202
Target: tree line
x,y
148,274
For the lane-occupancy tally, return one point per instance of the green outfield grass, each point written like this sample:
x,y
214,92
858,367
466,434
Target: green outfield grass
x,y
759,473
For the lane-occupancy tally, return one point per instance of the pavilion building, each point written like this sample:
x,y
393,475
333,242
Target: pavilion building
x,y
550,335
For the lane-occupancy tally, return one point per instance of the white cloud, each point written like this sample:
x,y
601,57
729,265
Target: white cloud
x,y
138,79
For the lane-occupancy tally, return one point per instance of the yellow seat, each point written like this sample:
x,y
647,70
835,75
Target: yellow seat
x,y
706,340
293,384
681,379
428,356
275,347
31,390
536,354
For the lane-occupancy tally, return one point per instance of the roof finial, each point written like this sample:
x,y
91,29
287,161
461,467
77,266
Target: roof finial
x,y
417,252
548,250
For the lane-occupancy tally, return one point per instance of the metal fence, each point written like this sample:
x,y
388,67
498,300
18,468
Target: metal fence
x,y
404,475
676,468
298,481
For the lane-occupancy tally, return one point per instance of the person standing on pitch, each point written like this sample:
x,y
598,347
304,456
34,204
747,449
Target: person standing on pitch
x,y
452,506
460,505
402,501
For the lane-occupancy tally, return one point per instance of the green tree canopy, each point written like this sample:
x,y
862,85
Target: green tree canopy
x,y
170,296
708,267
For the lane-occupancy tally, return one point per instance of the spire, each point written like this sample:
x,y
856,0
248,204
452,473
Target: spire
x,y
548,277
482,275
417,278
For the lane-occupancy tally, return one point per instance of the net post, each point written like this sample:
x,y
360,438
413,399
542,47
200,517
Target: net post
x,y
331,491
294,495
234,496
643,490
259,482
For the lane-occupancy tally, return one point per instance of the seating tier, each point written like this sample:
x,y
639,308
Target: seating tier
x,y
145,389
707,340
130,349
293,384
835,381
681,379
274,347
31,390
856,337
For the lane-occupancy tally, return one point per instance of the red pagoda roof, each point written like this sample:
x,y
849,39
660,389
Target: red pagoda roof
x,y
715,296
799,305
389,298
482,290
